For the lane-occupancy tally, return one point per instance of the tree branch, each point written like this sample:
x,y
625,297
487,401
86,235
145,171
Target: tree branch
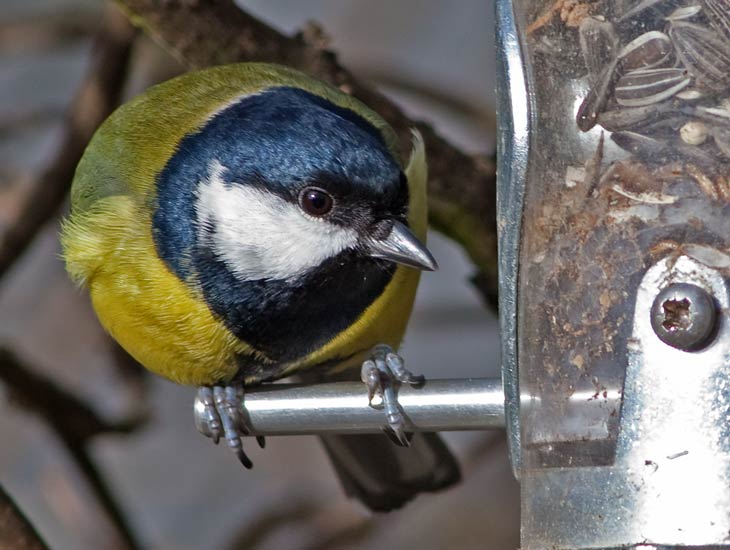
x,y
95,100
462,190
74,422
67,415
16,531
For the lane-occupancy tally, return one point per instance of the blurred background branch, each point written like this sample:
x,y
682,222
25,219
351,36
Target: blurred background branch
x,y
16,531
95,100
75,424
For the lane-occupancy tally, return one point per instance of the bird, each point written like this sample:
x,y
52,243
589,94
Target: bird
x,y
245,223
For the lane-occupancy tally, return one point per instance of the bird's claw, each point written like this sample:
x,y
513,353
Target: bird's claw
x,y
381,374
207,420
222,417
371,376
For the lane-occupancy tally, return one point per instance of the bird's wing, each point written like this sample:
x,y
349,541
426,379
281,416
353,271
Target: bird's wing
x,y
417,174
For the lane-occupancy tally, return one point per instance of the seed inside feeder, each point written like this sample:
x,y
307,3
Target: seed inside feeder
x,y
693,133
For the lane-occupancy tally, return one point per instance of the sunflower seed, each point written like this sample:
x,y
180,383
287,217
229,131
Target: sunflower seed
x,y
722,139
666,128
654,151
649,86
629,118
650,50
706,161
598,43
643,147
718,12
715,115
687,12
597,97
705,54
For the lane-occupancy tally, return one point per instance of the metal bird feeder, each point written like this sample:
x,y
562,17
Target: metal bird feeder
x,y
614,196
613,210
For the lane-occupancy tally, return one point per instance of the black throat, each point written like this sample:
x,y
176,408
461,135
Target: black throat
x,y
287,320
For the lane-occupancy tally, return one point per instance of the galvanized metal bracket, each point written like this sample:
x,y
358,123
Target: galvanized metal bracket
x,y
669,482
513,114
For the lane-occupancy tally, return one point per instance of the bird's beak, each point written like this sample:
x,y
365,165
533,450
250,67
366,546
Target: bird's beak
x,y
403,247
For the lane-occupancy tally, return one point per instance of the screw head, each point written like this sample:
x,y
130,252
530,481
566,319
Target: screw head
x,y
684,316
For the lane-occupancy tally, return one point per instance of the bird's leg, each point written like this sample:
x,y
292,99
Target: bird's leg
x,y
222,415
382,373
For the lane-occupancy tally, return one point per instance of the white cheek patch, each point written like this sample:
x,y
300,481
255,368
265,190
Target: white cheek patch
x,y
259,235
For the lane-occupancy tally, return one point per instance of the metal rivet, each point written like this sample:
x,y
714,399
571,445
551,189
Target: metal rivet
x,y
684,316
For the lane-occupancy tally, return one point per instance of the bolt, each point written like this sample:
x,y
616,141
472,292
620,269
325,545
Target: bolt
x,y
684,316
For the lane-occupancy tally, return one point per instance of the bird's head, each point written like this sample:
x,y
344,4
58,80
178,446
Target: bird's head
x,y
280,183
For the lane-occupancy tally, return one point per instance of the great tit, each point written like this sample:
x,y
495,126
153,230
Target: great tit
x,y
244,223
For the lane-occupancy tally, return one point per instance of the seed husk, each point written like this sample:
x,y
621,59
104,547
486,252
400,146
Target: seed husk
x,y
718,12
722,139
645,87
717,116
650,50
687,12
598,43
690,94
705,54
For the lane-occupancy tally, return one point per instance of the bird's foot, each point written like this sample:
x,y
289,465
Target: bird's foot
x,y
382,373
219,413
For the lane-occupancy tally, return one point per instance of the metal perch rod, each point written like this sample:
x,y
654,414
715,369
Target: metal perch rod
x,y
342,407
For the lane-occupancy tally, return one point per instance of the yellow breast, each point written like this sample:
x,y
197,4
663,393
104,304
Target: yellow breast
x,y
167,326
153,315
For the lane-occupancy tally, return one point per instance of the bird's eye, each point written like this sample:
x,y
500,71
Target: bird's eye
x,y
315,202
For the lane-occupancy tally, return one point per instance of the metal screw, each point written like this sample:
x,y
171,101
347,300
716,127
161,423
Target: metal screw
x,y
684,316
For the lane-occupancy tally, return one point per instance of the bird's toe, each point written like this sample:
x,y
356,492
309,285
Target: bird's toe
x,y
218,413
382,374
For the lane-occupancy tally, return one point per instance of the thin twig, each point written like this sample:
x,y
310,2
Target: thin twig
x,y
96,98
16,532
462,188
